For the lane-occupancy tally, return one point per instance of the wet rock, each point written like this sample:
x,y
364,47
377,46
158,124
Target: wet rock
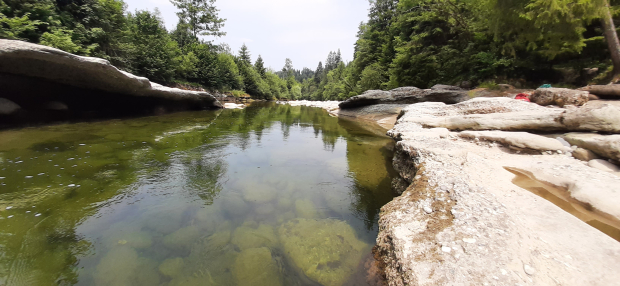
x,y
246,237
607,146
327,250
255,266
8,107
182,238
305,208
603,165
584,155
135,239
171,267
559,97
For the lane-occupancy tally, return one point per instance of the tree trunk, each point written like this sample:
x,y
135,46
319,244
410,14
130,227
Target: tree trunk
x,y
612,41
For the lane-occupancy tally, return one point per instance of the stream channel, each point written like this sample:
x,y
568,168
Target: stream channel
x,y
268,195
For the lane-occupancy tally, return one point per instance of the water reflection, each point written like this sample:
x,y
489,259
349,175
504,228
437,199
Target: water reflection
x,y
191,198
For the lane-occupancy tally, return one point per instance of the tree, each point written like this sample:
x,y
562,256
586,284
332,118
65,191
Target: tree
x,y
201,17
318,73
288,70
259,65
553,27
244,55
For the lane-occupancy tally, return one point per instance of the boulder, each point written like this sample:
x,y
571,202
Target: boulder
x,y
518,139
255,266
326,251
605,117
32,75
607,146
407,95
611,90
559,97
8,107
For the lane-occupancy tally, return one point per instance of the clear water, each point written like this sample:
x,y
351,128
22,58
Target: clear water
x,y
269,195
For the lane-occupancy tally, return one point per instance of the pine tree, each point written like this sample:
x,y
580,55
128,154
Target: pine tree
x,y
244,55
288,68
259,65
201,17
318,73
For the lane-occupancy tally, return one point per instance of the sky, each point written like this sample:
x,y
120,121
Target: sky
x,y
303,30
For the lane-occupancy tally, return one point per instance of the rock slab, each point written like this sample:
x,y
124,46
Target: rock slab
x,y
407,95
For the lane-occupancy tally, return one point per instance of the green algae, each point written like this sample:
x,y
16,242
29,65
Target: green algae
x,y
255,266
327,251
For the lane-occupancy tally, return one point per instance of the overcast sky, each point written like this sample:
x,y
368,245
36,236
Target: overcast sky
x,y
302,30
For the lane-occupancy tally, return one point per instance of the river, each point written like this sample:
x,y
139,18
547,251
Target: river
x,y
268,195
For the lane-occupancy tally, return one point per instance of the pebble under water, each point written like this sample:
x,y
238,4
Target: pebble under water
x,y
269,195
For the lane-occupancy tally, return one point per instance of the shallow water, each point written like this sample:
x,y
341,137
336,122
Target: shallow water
x,y
269,195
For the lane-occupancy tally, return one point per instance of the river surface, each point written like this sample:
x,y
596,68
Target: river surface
x,y
269,195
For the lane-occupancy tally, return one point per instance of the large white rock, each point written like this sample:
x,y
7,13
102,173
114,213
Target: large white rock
x,y
518,139
607,146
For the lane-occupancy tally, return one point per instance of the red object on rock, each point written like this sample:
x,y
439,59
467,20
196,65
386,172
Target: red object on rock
x,y
523,96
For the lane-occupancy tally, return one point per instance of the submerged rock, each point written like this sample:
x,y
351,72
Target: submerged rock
x,y
171,267
305,208
117,267
182,238
246,237
327,251
259,193
256,267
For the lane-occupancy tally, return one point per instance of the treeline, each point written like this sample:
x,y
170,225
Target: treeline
x,y
475,42
138,42
403,43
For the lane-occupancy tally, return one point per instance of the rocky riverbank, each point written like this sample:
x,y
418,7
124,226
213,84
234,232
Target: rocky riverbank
x,y
497,191
41,84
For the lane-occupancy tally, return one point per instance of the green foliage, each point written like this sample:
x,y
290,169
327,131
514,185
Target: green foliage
x,y
15,28
200,17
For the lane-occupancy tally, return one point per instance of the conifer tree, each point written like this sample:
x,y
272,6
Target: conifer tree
x,y
244,55
200,16
259,65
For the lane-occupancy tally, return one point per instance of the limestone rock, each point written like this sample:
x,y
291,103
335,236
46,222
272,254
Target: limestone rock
x,y
518,139
603,165
611,90
256,267
607,146
584,155
407,95
605,118
327,250
445,87
26,66
8,107
559,97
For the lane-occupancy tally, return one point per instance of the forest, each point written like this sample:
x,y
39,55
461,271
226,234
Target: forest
x,y
403,43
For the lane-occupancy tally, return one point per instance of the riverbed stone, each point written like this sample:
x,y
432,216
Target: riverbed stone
x,y
327,250
182,238
117,267
259,193
305,208
255,266
246,237
171,267
610,90
518,139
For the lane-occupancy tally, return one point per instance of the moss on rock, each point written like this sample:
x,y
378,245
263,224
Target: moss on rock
x,y
182,238
326,250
